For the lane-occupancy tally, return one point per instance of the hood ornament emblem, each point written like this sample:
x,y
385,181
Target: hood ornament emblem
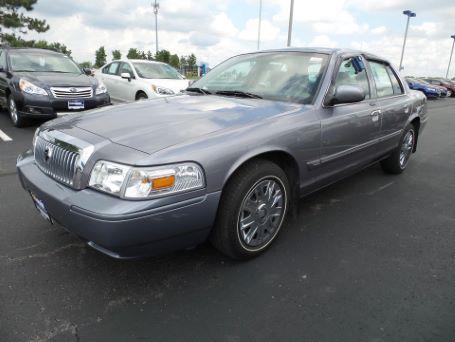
x,y
73,90
48,153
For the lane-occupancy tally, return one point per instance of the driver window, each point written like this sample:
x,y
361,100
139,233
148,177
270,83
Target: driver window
x,y
347,75
125,67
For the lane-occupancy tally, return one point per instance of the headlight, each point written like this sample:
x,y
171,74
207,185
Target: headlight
x,y
148,182
30,88
101,89
162,90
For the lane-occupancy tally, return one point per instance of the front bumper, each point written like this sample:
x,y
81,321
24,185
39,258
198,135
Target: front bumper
x,y
120,228
35,106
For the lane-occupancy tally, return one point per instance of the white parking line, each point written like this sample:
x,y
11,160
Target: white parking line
x,y
4,137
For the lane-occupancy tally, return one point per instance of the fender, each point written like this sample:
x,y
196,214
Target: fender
x,y
252,154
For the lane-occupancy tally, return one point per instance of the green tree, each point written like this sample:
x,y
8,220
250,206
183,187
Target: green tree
x,y
163,56
174,61
41,44
183,61
86,64
134,53
191,60
100,57
149,55
116,55
13,18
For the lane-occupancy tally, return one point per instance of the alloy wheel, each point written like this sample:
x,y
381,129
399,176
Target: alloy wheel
x,y
13,111
261,213
406,148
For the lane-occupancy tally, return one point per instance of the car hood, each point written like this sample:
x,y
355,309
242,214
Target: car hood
x,y
150,126
55,79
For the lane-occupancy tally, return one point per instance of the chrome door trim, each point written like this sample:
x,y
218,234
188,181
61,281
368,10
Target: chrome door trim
x,y
332,157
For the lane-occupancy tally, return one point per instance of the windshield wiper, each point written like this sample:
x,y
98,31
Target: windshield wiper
x,y
198,90
238,93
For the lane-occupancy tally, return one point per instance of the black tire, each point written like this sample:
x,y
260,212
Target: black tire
x,y
15,117
225,235
392,164
141,96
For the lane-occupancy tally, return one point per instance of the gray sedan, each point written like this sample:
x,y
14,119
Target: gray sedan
x,y
229,159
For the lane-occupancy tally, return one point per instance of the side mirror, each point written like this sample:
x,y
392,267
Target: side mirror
x,y
87,71
347,94
126,75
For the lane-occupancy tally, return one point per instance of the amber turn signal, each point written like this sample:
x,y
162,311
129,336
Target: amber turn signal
x,y
163,182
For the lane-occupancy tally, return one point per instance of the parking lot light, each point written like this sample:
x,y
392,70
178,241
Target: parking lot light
x,y
451,53
156,7
259,24
410,15
291,14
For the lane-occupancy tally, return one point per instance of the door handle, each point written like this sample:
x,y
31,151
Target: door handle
x,y
375,112
375,115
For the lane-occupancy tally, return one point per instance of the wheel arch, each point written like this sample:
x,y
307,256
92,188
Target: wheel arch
x,y
279,156
415,121
139,92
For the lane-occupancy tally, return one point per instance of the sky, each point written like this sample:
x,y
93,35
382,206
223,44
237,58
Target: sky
x,y
217,29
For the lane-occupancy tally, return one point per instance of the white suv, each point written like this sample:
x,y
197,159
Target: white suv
x,y
132,80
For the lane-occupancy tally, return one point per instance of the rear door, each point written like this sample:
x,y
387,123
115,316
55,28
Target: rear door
x,y
349,131
395,105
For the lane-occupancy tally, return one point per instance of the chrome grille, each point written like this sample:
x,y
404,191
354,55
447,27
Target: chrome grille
x,y
56,161
72,92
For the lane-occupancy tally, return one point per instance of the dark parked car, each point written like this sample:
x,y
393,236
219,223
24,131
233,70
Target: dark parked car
x,y
442,82
429,90
37,83
229,159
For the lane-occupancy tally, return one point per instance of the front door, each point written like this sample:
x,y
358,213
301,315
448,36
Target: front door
x,y
349,132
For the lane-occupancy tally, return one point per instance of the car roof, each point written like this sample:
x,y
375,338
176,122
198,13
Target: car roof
x,y
27,49
139,61
322,50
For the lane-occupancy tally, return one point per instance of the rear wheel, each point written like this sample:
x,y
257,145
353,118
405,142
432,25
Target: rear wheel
x,y
396,163
16,118
252,210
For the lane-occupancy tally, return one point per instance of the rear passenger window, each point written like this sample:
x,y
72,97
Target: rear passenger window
x,y
347,75
384,86
111,68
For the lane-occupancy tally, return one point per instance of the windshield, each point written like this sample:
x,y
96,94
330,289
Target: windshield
x,y
156,71
46,62
282,76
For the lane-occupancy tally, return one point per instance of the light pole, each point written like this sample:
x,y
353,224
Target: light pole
x,y
410,15
259,25
451,53
156,7
291,14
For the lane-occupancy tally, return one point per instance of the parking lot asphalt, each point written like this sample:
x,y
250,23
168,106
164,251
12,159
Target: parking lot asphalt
x,y
371,258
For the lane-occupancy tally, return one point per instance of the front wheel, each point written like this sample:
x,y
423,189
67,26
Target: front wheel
x,y
141,97
396,163
16,118
252,210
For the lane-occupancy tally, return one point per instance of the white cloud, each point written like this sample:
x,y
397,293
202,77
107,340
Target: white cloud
x,y
379,30
269,32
